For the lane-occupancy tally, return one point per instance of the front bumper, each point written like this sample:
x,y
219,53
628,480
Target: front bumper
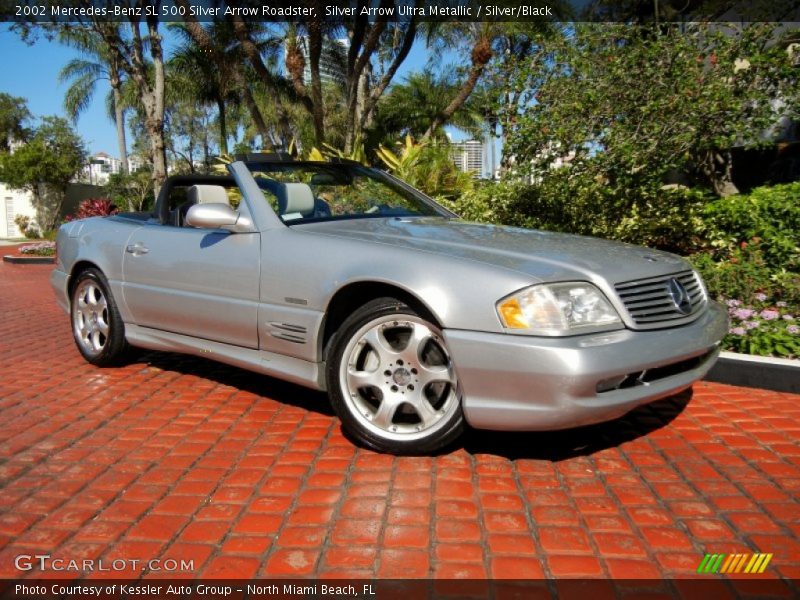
x,y
526,383
58,281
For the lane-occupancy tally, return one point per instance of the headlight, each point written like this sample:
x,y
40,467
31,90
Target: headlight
x,y
558,309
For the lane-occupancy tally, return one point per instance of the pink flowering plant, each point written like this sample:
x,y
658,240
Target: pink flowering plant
x,y
762,327
39,249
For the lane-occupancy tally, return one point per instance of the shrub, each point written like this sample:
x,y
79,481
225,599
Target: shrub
x,y
26,227
763,328
669,218
428,167
743,273
745,246
770,216
764,303
40,249
133,191
94,207
661,217
752,256
504,203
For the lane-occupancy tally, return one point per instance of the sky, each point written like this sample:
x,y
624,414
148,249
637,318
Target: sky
x,y
31,72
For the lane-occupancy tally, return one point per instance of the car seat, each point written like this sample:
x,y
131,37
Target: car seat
x,y
201,194
296,201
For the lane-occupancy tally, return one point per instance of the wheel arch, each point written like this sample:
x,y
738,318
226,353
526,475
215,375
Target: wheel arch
x,y
78,268
354,295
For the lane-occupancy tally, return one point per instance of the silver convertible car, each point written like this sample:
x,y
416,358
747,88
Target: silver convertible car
x,y
343,278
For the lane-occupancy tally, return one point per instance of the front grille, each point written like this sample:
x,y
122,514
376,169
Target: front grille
x,y
649,302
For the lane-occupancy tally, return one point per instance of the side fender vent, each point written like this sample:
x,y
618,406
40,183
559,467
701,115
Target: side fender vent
x,y
288,331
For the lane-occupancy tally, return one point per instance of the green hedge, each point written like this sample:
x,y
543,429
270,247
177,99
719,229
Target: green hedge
x,y
767,216
744,246
656,216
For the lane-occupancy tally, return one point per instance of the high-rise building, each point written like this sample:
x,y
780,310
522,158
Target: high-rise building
x,y
468,156
332,60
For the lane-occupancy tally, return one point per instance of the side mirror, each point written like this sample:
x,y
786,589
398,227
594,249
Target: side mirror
x,y
217,216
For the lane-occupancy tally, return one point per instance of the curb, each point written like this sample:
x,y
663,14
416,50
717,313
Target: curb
x,y
29,260
777,374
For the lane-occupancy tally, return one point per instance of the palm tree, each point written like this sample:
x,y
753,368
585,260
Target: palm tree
x,y
412,106
201,79
473,38
197,71
85,73
481,42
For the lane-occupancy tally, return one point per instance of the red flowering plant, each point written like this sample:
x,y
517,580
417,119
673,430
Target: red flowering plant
x,y
94,207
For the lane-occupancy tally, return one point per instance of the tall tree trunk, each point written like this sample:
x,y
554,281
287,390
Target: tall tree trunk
x,y
315,51
119,119
41,217
295,62
719,170
364,42
130,58
223,127
153,97
255,112
158,117
151,93
119,113
158,149
48,202
207,151
372,98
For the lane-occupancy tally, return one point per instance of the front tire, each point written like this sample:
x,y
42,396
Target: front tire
x,y
392,382
97,326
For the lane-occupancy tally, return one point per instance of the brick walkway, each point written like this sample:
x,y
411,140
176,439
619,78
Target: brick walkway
x,y
177,457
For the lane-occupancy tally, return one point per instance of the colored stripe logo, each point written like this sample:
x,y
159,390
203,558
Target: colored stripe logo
x,y
734,563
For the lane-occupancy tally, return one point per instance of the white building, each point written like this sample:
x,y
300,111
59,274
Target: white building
x,y
99,169
12,204
136,162
468,156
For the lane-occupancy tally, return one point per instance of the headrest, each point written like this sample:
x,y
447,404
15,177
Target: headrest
x,y
207,194
299,199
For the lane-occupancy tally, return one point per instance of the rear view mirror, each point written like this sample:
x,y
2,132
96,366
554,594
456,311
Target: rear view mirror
x,y
217,215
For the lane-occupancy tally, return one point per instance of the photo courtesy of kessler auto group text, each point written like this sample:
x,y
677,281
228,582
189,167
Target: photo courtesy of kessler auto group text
x,y
419,299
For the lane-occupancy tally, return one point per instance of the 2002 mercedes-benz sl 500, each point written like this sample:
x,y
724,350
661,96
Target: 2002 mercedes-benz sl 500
x,y
343,278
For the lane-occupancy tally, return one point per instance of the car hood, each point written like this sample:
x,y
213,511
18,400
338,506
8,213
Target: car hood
x,y
545,255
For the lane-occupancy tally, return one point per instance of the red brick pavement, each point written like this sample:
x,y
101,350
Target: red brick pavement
x,y
177,457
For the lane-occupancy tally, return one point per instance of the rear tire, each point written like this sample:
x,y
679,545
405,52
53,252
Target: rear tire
x,y
392,382
97,326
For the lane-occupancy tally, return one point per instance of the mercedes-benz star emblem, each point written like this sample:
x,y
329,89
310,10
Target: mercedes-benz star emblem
x,y
679,296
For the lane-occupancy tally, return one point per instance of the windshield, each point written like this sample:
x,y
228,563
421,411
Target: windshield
x,y
305,192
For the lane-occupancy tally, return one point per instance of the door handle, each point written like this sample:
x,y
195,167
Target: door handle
x,y
137,249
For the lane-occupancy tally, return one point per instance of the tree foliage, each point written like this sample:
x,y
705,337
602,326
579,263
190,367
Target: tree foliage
x,y
411,106
84,74
44,166
14,115
131,191
635,105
